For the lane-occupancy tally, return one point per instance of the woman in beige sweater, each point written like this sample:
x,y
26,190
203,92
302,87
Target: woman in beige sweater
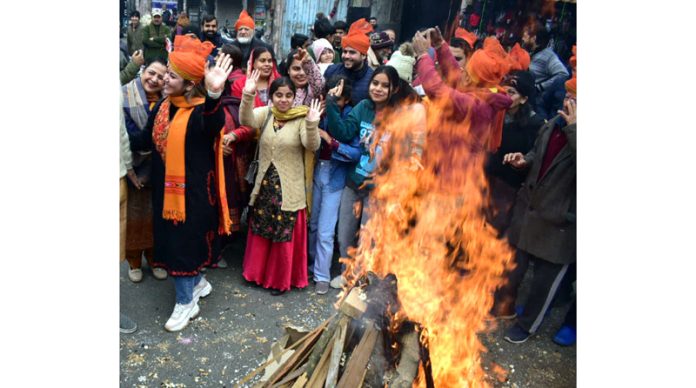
x,y
276,251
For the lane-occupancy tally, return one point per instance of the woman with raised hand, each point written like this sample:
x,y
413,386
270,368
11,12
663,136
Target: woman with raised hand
x,y
305,75
189,201
276,250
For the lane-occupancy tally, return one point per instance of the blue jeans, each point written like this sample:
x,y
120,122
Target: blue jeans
x,y
322,225
184,287
349,223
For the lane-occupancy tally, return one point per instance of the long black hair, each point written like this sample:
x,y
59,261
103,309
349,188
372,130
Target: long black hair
x,y
399,90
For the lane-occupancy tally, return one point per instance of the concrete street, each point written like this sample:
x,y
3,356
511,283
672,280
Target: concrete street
x,y
238,323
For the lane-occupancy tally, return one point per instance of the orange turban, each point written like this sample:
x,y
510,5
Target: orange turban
x,y
519,58
572,85
488,66
357,36
244,21
469,37
189,57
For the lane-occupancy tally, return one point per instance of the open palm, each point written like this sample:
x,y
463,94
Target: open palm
x,y
216,76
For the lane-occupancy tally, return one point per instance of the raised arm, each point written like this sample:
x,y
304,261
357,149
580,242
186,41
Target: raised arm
x,y
315,79
309,128
247,115
344,130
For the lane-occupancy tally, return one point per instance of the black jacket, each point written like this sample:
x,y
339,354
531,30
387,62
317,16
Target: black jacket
x,y
518,136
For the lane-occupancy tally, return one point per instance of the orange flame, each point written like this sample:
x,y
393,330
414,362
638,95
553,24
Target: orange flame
x,y
427,227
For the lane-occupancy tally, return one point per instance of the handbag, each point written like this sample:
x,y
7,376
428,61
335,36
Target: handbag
x,y
254,165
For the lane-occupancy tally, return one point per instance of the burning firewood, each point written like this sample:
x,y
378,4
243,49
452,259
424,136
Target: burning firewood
x,y
355,347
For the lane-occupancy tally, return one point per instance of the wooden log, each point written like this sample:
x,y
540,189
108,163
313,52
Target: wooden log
x,y
354,304
300,355
409,360
321,345
304,340
336,352
291,376
319,376
356,367
301,381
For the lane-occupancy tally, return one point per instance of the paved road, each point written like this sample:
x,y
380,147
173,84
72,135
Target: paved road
x,y
239,322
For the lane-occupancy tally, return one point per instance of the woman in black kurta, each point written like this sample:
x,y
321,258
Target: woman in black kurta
x,y
189,204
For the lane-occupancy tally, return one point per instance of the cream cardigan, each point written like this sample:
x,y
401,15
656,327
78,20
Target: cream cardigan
x,y
285,149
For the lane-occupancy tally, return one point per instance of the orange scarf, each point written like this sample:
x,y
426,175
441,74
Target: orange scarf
x,y
169,138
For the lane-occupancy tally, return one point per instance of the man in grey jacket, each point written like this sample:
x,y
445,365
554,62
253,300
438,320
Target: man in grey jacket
x,y
543,227
548,70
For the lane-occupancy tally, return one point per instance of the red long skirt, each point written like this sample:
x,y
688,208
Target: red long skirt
x,y
279,265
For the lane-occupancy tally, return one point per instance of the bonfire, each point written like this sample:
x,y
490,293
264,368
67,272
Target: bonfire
x,y
421,282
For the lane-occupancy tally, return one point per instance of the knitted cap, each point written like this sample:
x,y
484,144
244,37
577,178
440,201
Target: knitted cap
x,y
380,40
403,65
319,46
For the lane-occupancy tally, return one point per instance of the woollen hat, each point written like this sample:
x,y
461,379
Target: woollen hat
x,y
523,82
357,36
244,21
403,65
189,57
319,46
380,40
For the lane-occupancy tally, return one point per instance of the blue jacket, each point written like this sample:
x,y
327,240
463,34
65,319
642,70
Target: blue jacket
x,y
344,158
360,80
358,123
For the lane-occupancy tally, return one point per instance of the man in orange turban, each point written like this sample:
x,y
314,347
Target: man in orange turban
x,y
354,54
519,58
473,94
246,41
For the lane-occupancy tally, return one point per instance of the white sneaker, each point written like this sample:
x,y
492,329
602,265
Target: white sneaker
x,y
202,289
135,275
159,273
181,315
338,282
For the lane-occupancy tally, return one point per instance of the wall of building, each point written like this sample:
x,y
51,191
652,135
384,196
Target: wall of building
x,y
298,16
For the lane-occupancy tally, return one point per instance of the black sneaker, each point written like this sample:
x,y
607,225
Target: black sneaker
x,y
517,335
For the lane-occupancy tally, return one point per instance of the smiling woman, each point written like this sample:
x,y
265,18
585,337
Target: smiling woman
x,y
305,75
139,98
276,250
189,200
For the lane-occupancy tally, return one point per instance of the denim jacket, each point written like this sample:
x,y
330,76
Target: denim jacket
x,y
344,158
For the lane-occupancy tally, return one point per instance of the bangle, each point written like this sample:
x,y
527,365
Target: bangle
x,y
214,95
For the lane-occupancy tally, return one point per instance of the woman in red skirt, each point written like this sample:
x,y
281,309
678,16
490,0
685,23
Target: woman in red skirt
x,y
276,251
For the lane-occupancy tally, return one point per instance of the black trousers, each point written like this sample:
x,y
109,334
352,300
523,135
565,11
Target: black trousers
x,y
545,285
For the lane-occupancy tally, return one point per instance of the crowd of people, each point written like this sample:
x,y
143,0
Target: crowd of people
x,y
221,138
